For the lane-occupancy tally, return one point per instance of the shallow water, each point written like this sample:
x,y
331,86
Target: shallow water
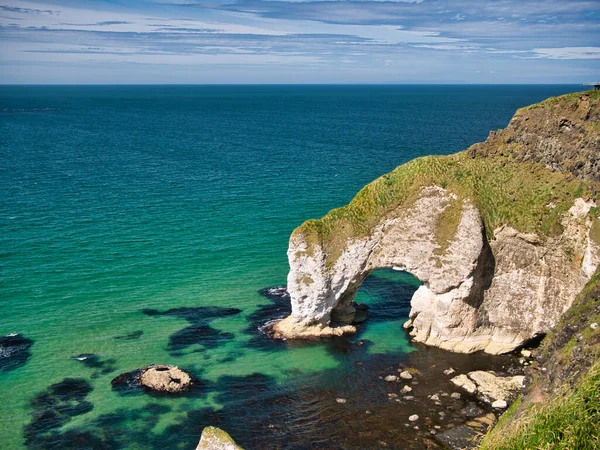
x,y
123,205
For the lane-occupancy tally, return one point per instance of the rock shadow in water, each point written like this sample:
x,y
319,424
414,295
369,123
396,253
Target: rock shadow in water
x,y
15,350
279,306
133,336
199,332
54,408
93,361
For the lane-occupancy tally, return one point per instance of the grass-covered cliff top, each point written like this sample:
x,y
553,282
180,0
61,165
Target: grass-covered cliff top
x,y
507,187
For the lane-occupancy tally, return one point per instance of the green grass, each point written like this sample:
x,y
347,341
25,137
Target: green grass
x,y
570,421
505,192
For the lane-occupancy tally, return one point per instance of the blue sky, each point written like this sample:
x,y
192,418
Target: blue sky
x,y
299,41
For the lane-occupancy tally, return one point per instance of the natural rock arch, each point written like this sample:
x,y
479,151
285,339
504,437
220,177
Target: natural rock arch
x,y
475,294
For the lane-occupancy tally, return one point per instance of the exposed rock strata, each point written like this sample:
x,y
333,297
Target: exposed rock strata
x,y
486,284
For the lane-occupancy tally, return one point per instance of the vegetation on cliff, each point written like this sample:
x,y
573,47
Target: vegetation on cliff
x,y
561,408
511,177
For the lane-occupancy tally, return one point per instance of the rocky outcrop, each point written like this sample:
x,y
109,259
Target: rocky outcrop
x,y
561,133
489,387
501,247
216,439
157,377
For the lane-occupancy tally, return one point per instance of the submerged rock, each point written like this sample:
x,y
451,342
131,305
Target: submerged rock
x,y
157,377
216,439
14,351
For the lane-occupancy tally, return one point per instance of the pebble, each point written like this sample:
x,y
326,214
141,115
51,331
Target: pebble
x,y
413,418
391,378
526,353
499,404
405,375
406,389
435,398
409,397
437,427
392,395
455,395
449,371
341,400
594,326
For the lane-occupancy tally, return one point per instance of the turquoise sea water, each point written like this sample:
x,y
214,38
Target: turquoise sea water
x,y
122,203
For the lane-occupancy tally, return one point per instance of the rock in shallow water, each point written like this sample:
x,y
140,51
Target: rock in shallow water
x,y
165,378
157,377
216,439
14,351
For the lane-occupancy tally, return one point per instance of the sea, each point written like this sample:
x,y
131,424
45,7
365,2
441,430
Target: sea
x,y
149,225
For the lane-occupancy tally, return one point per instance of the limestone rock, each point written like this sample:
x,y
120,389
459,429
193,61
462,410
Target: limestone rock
x,y
489,387
290,328
482,289
462,381
406,375
413,418
165,378
499,404
391,378
216,439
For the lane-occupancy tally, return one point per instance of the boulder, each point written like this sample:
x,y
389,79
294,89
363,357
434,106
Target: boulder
x,y
156,377
216,439
462,381
165,378
490,387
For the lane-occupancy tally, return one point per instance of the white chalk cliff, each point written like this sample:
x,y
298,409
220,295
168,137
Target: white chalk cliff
x,y
490,281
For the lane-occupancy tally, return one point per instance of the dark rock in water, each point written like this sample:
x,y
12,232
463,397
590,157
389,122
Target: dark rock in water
x,y
127,382
204,335
275,293
472,410
15,350
194,314
133,336
279,306
156,377
459,438
54,408
200,332
95,362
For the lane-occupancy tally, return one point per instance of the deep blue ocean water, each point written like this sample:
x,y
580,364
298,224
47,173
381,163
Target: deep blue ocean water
x,y
134,218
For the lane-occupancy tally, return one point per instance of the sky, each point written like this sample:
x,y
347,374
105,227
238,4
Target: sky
x,y
299,41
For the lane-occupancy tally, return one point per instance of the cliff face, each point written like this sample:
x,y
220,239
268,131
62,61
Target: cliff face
x,y
503,236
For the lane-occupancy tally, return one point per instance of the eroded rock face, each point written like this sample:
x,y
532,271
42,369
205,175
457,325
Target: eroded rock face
x,y
476,295
490,290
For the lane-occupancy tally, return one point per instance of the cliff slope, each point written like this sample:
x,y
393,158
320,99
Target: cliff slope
x,y
503,236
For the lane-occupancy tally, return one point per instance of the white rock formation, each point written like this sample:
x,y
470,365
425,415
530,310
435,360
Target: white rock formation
x,y
489,387
475,295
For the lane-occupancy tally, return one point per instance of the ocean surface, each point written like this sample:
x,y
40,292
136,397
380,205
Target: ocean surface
x,y
142,224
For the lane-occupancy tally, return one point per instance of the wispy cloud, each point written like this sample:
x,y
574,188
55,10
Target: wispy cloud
x,y
344,40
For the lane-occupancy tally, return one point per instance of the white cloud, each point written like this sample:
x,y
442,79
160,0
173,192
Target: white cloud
x,y
568,53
